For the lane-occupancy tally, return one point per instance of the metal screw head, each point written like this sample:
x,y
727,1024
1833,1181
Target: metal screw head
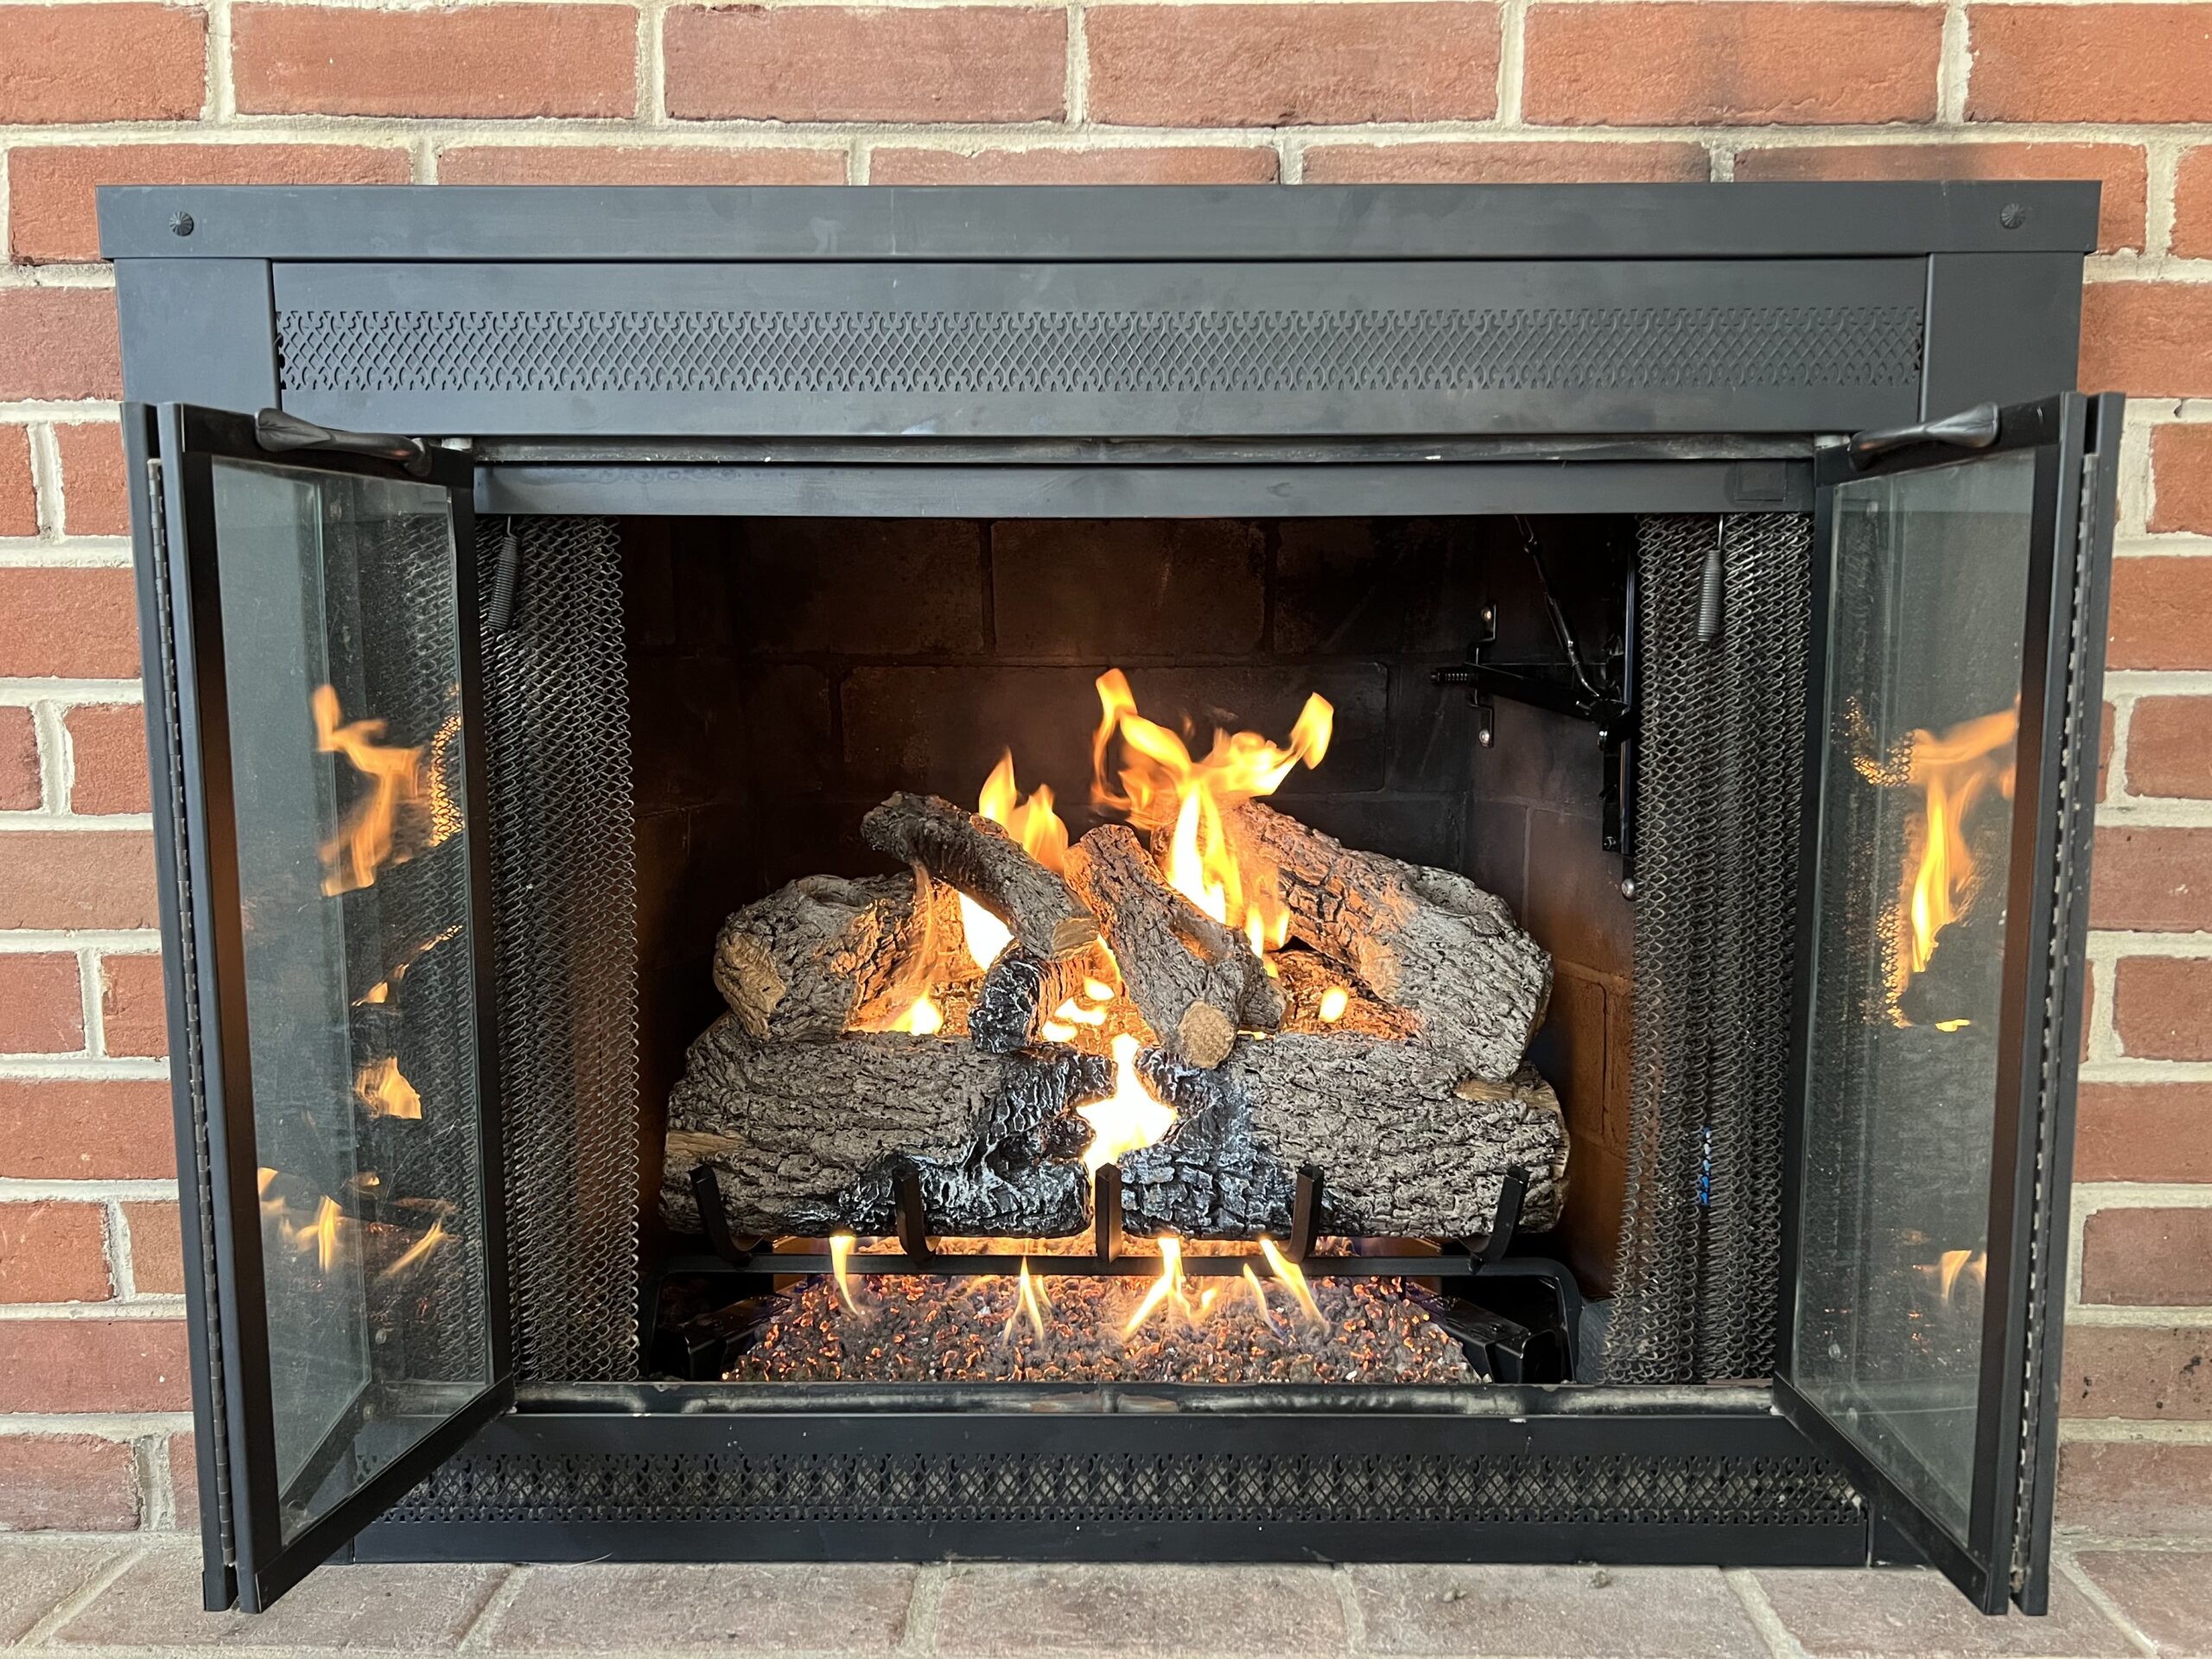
x,y
2011,215
181,224
1628,888
1485,737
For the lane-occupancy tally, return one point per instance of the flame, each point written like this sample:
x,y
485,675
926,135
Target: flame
x,y
1952,1263
321,1234
1098,990
840,1251
417,1251
1953,771
364,842
382,1088
1259,1298
924,1019
382,991
1043,835
262,1177
1162,788
1130,1117
1170,1274
1029,1299
1334,1001
1293,1280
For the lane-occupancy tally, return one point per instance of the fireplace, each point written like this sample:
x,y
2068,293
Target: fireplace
x,y
1361,874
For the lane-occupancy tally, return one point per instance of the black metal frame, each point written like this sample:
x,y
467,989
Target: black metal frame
x,y
1995,269
2073,440
180,601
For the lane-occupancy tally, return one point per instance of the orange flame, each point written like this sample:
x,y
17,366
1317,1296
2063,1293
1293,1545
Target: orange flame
x,y
414,1252
1033,824
1334,1001
1162,788
382,1088
924,1019
840,1251
1953,1263
1028,1301
1130,1117
1170,1274
365,842
1293,1281
322,1235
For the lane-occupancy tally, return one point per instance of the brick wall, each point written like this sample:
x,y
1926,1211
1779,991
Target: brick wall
x,y
92,1383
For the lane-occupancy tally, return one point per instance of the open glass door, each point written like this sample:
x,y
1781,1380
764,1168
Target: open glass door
x,y
311,665
1955,753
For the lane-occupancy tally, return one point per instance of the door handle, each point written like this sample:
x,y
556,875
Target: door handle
x,y
280,433
1970,429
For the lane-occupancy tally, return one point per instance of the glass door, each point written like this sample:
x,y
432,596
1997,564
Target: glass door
x,y
1956,754
316,621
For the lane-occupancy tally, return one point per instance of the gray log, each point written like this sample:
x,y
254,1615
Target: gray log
x,y
1194,981
823,955
1427,940
1403,1144
975,856
809,1138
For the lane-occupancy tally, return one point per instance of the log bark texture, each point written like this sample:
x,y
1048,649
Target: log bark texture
x,y
1425,940
1021,992
1403,1144
823,955
1194,981
975,856
809,1138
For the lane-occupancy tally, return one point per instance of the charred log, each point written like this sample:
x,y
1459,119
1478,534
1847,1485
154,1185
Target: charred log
x,y
1403,1143
1023,993
809,1139
1306,978
975,856
1427,940
821,956
1195,981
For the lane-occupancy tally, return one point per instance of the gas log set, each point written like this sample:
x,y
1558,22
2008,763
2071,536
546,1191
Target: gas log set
x,y
1204,1024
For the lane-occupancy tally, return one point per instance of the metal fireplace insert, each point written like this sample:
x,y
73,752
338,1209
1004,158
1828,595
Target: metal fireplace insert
x,y
1582,1067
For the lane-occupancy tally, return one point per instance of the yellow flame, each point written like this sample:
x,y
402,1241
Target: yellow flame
x,y
1161,787
1029,1301
417,1251
383,990
1260,1297
1171,1271
924,1019
1042,835
1334,1001
1953,1263
1098,990
381,1087
1057,1031
1293,1280
1953,1025
840,1251
366,840
262,1177
1130,1117
322,1235
1076,1013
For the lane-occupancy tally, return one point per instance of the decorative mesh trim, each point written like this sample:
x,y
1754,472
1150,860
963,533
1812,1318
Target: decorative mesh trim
x,y
1494,348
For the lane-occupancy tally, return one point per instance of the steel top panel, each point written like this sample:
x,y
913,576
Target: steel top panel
x,y
1085,222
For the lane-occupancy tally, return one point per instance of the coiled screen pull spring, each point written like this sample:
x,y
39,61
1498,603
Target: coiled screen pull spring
x,y
500,614
1708,593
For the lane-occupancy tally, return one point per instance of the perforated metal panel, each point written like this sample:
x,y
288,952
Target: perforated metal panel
x,y
1718,775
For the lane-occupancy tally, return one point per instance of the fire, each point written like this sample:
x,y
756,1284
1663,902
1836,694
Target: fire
x,y
840,1251
924,1019
1028,1301
1334,1001
1170,1280
322,1235
382,1088
1293,1280
1260,1299
1953,1263
384,988
1954,772
365,842
414,1252
1162,788
1043,835
1130,1117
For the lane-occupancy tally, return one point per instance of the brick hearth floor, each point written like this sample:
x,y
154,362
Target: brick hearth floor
x,y
97,1596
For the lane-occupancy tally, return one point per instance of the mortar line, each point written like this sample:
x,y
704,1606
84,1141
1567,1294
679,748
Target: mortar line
x,y
83,1597
485,1626
1751,1595
2063,1564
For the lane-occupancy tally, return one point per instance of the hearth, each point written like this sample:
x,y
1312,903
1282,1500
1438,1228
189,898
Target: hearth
x,y
1342,874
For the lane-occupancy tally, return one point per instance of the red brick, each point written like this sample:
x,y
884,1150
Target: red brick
x,y
53,1252
2155,878
157,1249
134,1015
59,1130
2135,1488
94,499
2116,1372
184,1479
494,60
20,788
2161,614
107,750
1728,63
59,342
50,208
2121,168
66,1483
2192,231
2151,63
1067,164
94,1365
1282,66
74,878
2147,339
840,63
2143,1131
638,164
2161,1008
2108,727
41,1005
18,495
2170,747
71,624
102,63
2181,478
2148,1258
1512,162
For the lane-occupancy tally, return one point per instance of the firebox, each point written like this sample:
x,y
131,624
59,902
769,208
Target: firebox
x,y
1342,874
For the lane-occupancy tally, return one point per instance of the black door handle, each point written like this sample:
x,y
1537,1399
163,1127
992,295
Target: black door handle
x,y
1970,429
279,433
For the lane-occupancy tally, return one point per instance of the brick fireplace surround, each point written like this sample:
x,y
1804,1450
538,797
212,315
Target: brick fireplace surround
x,y
94,1407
